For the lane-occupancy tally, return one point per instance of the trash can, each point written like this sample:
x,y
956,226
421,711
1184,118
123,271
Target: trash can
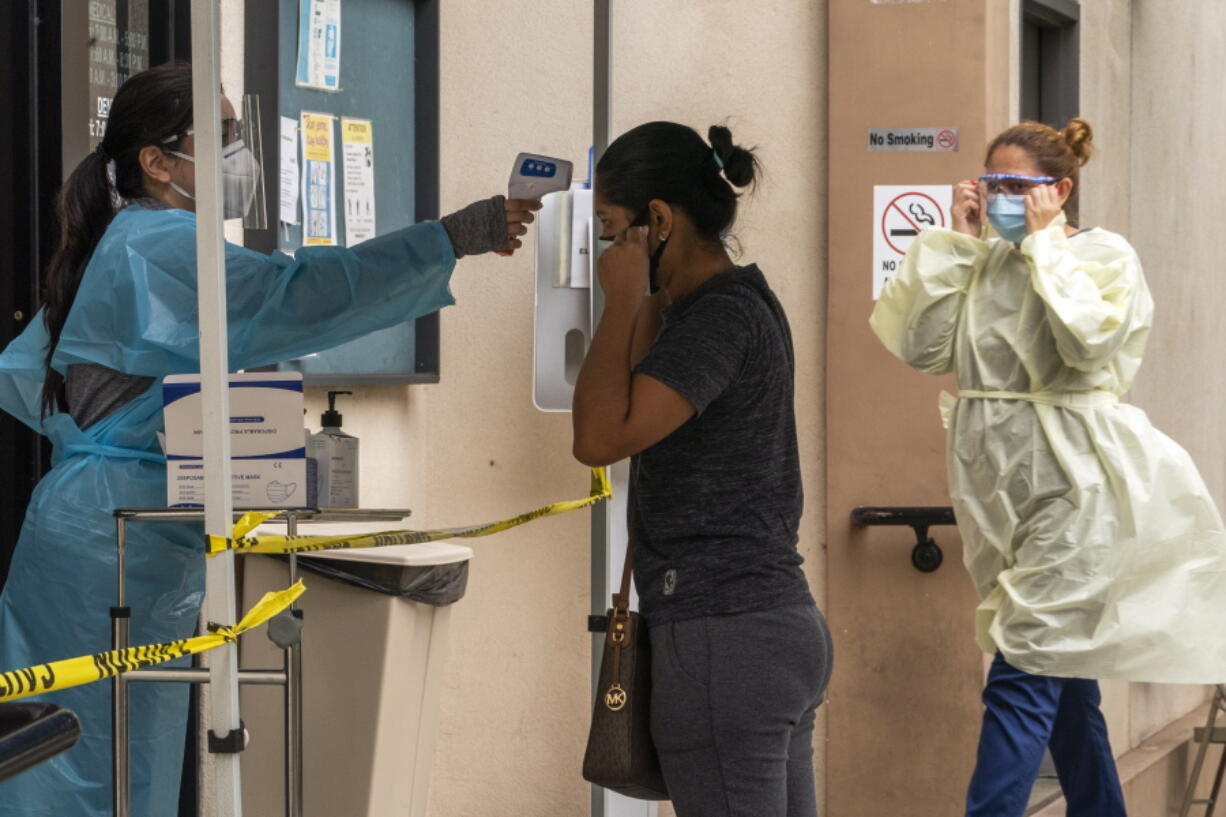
x,y
374,643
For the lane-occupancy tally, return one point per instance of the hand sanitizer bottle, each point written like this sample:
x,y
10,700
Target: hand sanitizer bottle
x,y
336,455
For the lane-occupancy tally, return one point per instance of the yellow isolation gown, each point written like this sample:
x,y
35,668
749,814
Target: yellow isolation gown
x,y
1089,534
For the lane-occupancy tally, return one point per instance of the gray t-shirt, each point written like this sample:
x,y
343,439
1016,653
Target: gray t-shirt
x,y
719,500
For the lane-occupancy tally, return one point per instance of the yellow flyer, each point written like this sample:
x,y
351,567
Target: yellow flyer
x,y
318,179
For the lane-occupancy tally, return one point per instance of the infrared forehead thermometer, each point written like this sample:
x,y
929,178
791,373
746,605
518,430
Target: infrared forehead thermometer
x,y
534,176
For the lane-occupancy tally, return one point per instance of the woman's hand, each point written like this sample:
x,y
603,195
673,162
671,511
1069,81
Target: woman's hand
x,y
968,208
489,225
622,268
1042,206
519,215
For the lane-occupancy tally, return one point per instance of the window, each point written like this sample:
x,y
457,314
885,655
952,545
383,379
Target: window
x,y
389,74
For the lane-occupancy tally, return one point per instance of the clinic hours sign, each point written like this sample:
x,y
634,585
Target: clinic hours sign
x,y
118,47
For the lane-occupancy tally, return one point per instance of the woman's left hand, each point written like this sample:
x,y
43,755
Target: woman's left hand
x,y
1042,206
622,268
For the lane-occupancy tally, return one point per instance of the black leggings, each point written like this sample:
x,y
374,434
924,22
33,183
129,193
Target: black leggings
x,y
732,709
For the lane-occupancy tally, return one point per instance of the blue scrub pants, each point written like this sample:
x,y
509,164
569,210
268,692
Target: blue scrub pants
x,y
1025,713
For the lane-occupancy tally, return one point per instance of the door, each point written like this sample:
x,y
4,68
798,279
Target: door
x,y
29,153
65,59
904,712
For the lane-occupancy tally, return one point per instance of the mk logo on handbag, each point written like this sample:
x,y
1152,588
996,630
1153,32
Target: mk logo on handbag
x,y
615,698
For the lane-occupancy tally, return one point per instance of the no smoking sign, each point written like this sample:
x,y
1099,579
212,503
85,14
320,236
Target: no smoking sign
x,y
900,214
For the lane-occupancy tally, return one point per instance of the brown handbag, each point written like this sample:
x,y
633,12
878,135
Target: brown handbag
x,y
620,755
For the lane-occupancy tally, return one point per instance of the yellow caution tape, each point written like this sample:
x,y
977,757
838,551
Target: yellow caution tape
x,y
87,669
242,543
73,672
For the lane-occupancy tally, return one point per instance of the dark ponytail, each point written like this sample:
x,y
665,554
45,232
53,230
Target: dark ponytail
x,y
151,107
671,162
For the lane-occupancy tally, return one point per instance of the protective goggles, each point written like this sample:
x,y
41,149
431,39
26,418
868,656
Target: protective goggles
x,y
242,164
1012,184
231,131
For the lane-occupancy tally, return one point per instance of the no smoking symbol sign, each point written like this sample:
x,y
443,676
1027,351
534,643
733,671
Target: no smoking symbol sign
x,y
948,139
900,213
905,216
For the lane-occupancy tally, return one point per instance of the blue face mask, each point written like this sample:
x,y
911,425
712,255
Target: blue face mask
x,y
1007,213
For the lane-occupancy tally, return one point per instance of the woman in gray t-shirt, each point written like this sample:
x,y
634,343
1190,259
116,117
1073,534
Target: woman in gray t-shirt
x,y
695,382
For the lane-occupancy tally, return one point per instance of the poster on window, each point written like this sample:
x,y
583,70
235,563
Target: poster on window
x,y
318,180
358,145
319,45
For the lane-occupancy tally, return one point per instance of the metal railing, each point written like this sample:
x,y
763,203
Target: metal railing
x,y
926,556
289,676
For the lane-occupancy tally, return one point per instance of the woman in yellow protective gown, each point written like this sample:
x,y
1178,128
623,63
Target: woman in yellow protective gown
x,y
1091,538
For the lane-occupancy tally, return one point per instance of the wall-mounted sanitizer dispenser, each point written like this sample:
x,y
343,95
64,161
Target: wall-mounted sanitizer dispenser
x,y
565,271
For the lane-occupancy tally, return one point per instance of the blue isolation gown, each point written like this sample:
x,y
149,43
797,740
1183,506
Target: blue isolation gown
x,y
135,312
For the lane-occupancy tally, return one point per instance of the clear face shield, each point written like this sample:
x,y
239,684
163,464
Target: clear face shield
x,y
242,163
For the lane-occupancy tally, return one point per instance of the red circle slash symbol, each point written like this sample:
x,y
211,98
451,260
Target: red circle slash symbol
x,y
906,216
947,139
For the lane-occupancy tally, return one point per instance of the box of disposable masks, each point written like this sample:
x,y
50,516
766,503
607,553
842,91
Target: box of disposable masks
x,y
267,435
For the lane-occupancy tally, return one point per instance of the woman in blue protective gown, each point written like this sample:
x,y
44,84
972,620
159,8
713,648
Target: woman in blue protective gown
x,y
119,315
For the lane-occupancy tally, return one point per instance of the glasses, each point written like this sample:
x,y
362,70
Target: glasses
x,y
231,132
1012,184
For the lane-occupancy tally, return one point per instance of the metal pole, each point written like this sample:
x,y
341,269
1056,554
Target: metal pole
x,y
293,699
200,675
601,32
120,771
602,76
219,606
608,518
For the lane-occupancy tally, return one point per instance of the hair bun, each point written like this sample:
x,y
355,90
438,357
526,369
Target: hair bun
x,y
1079,136
739,164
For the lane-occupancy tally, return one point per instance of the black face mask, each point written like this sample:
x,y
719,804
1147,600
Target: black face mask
x,y
653,262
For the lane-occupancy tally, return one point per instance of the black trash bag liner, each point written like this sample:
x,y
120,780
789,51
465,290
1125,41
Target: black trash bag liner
x,y
32,732
436,585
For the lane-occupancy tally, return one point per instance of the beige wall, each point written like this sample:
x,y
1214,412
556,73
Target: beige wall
x,y
759,68
1150,87
473,448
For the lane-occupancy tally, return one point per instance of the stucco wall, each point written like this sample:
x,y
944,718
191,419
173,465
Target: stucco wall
x,y
1150,89
1177,120
472,448
761,70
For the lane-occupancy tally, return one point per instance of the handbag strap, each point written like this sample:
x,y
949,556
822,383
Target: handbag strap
x,y
621,599
620,634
